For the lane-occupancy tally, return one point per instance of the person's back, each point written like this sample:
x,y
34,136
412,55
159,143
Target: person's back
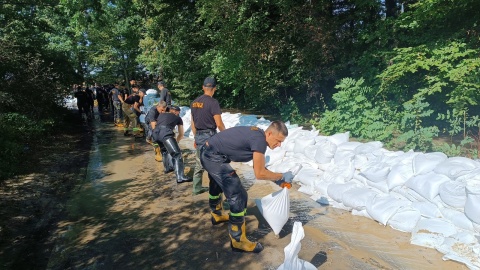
x,y
165,94
206,118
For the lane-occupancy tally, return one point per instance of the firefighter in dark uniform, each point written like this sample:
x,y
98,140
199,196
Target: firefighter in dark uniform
x,y
151,121
118,98
130,108
240,144
165,94
164,135
206,118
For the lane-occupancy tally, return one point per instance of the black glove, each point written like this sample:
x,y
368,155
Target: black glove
x,y
279,182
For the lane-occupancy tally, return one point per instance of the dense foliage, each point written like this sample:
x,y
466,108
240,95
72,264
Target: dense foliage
x,y
402,72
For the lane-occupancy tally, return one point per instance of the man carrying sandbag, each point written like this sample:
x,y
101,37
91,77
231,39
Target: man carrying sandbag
x,y
239,144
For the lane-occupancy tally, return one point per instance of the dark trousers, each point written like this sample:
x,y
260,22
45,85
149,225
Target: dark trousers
x,y
224,178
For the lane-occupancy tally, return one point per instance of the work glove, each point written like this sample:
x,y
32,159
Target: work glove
x,y
287,177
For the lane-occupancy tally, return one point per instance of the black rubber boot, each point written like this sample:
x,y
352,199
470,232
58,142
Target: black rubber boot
x,y
167,162
172,147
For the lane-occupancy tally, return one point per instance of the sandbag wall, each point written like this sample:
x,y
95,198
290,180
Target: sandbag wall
x,y
431,196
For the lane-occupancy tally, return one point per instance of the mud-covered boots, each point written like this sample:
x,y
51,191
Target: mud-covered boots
x,y
158,155
172,147
216,205
239,241
167,162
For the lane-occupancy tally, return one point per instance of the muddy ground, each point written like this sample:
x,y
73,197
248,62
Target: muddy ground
x,y
111,207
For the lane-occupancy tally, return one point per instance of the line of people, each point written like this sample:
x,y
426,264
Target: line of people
x,y
214,151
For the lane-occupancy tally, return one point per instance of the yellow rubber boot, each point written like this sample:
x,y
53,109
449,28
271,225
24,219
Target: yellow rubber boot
x,y
218,216
239,241
158,155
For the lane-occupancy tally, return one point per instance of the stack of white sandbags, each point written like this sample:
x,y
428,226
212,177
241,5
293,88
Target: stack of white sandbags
x,y
434,197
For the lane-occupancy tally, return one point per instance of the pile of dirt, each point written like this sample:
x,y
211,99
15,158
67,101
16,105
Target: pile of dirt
x,y
33,202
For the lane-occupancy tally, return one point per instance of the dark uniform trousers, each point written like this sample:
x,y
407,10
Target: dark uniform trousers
x,y
224,178
201,136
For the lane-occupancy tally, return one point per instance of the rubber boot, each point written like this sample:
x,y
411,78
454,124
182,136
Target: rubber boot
x,y
197,186
158,155
216,205
239,241
172,147
167,162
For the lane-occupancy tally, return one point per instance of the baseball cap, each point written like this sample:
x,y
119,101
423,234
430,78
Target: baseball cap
x,y
209,82
143,90
161,83
176,108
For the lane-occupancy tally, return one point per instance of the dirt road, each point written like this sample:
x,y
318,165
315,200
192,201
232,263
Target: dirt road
x,y
129,215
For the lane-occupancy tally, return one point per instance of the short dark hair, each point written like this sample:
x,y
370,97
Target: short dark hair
x,y
280,127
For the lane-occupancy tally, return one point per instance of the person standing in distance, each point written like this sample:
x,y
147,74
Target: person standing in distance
x,y
165,94
240,144
206,118
118,98
130,108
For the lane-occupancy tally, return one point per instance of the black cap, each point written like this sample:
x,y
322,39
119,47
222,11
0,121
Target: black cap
x,y
173,107
142,90
209,82
161,83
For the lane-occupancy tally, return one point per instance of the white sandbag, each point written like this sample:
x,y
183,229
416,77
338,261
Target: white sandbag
x,y
399,174
382,186
358,197
291,261
320,139
321,187
453,194
460,250
456,166
339,138
343,157
308,176
348,146
335,191
473,175
377,172
311,151
339,205
273,156
472,205
302,142
408,193
424,163
361,213
431,232
326,152
427,209
382,207
365,160
339,173
368,147
275,208
405,158
405,219
360,178
285,165
457,218
427,184
309,190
